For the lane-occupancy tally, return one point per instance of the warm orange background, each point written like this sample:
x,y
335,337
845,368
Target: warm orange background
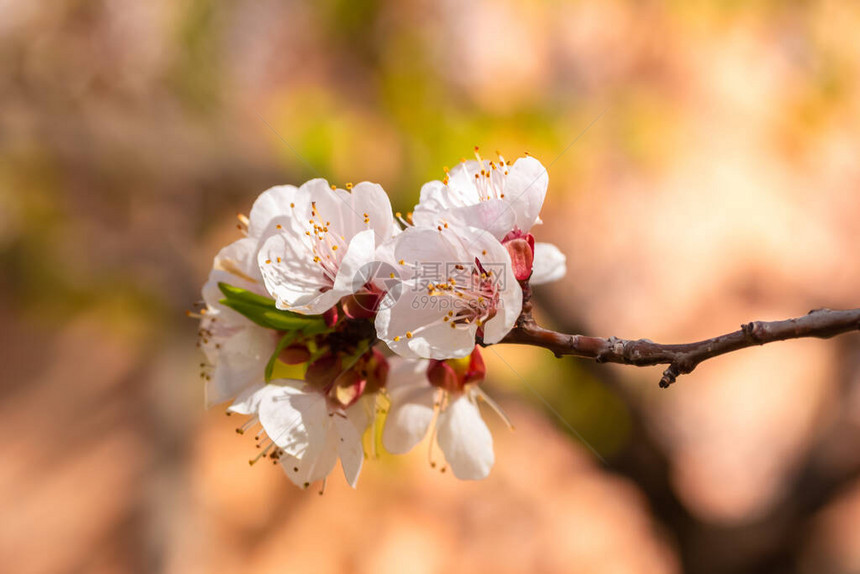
x,y
718,182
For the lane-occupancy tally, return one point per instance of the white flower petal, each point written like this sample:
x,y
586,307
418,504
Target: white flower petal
x,y
525,190
238,362
248,401
274,206
550,264
361,252
441,341
432,202
465,439
495,216
347,213
239,259
294,420
421,316
334,208
362,413
317,462
461,184
411,410
289,273
369,198
348,448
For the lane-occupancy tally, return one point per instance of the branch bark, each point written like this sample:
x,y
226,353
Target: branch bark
x,y
681,358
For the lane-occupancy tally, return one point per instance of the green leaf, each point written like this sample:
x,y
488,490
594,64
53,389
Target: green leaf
x,y
238,294
262,311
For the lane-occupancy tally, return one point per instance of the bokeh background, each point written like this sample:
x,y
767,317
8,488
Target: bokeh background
x,y
703,161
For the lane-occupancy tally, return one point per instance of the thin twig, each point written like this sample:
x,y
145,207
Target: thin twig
x,y
681,358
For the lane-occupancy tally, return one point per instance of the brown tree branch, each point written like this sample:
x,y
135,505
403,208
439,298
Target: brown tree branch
x,y
681,358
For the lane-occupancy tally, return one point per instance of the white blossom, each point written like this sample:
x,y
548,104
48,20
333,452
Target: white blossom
x,y
312,257
456,283
460,432
305,431
237,350
502,198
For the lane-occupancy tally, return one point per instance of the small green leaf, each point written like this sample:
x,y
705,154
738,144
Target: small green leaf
x,y
238,294
316,328
271,319
262,311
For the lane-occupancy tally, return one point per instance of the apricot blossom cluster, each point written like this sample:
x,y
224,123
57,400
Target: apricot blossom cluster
x,y
384,315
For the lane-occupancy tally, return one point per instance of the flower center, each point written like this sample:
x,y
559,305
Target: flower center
x,y
325,247
471,295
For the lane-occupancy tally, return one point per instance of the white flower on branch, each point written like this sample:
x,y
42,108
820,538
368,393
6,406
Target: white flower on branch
x,y
306,431
503,199
447,392
237,350
310,260
457,283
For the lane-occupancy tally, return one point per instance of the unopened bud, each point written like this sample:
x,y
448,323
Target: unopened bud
x,y
522,257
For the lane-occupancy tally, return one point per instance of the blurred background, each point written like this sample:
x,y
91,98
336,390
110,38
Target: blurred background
x,y
703,161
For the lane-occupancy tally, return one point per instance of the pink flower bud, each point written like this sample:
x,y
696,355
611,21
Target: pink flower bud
x,y
521,248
